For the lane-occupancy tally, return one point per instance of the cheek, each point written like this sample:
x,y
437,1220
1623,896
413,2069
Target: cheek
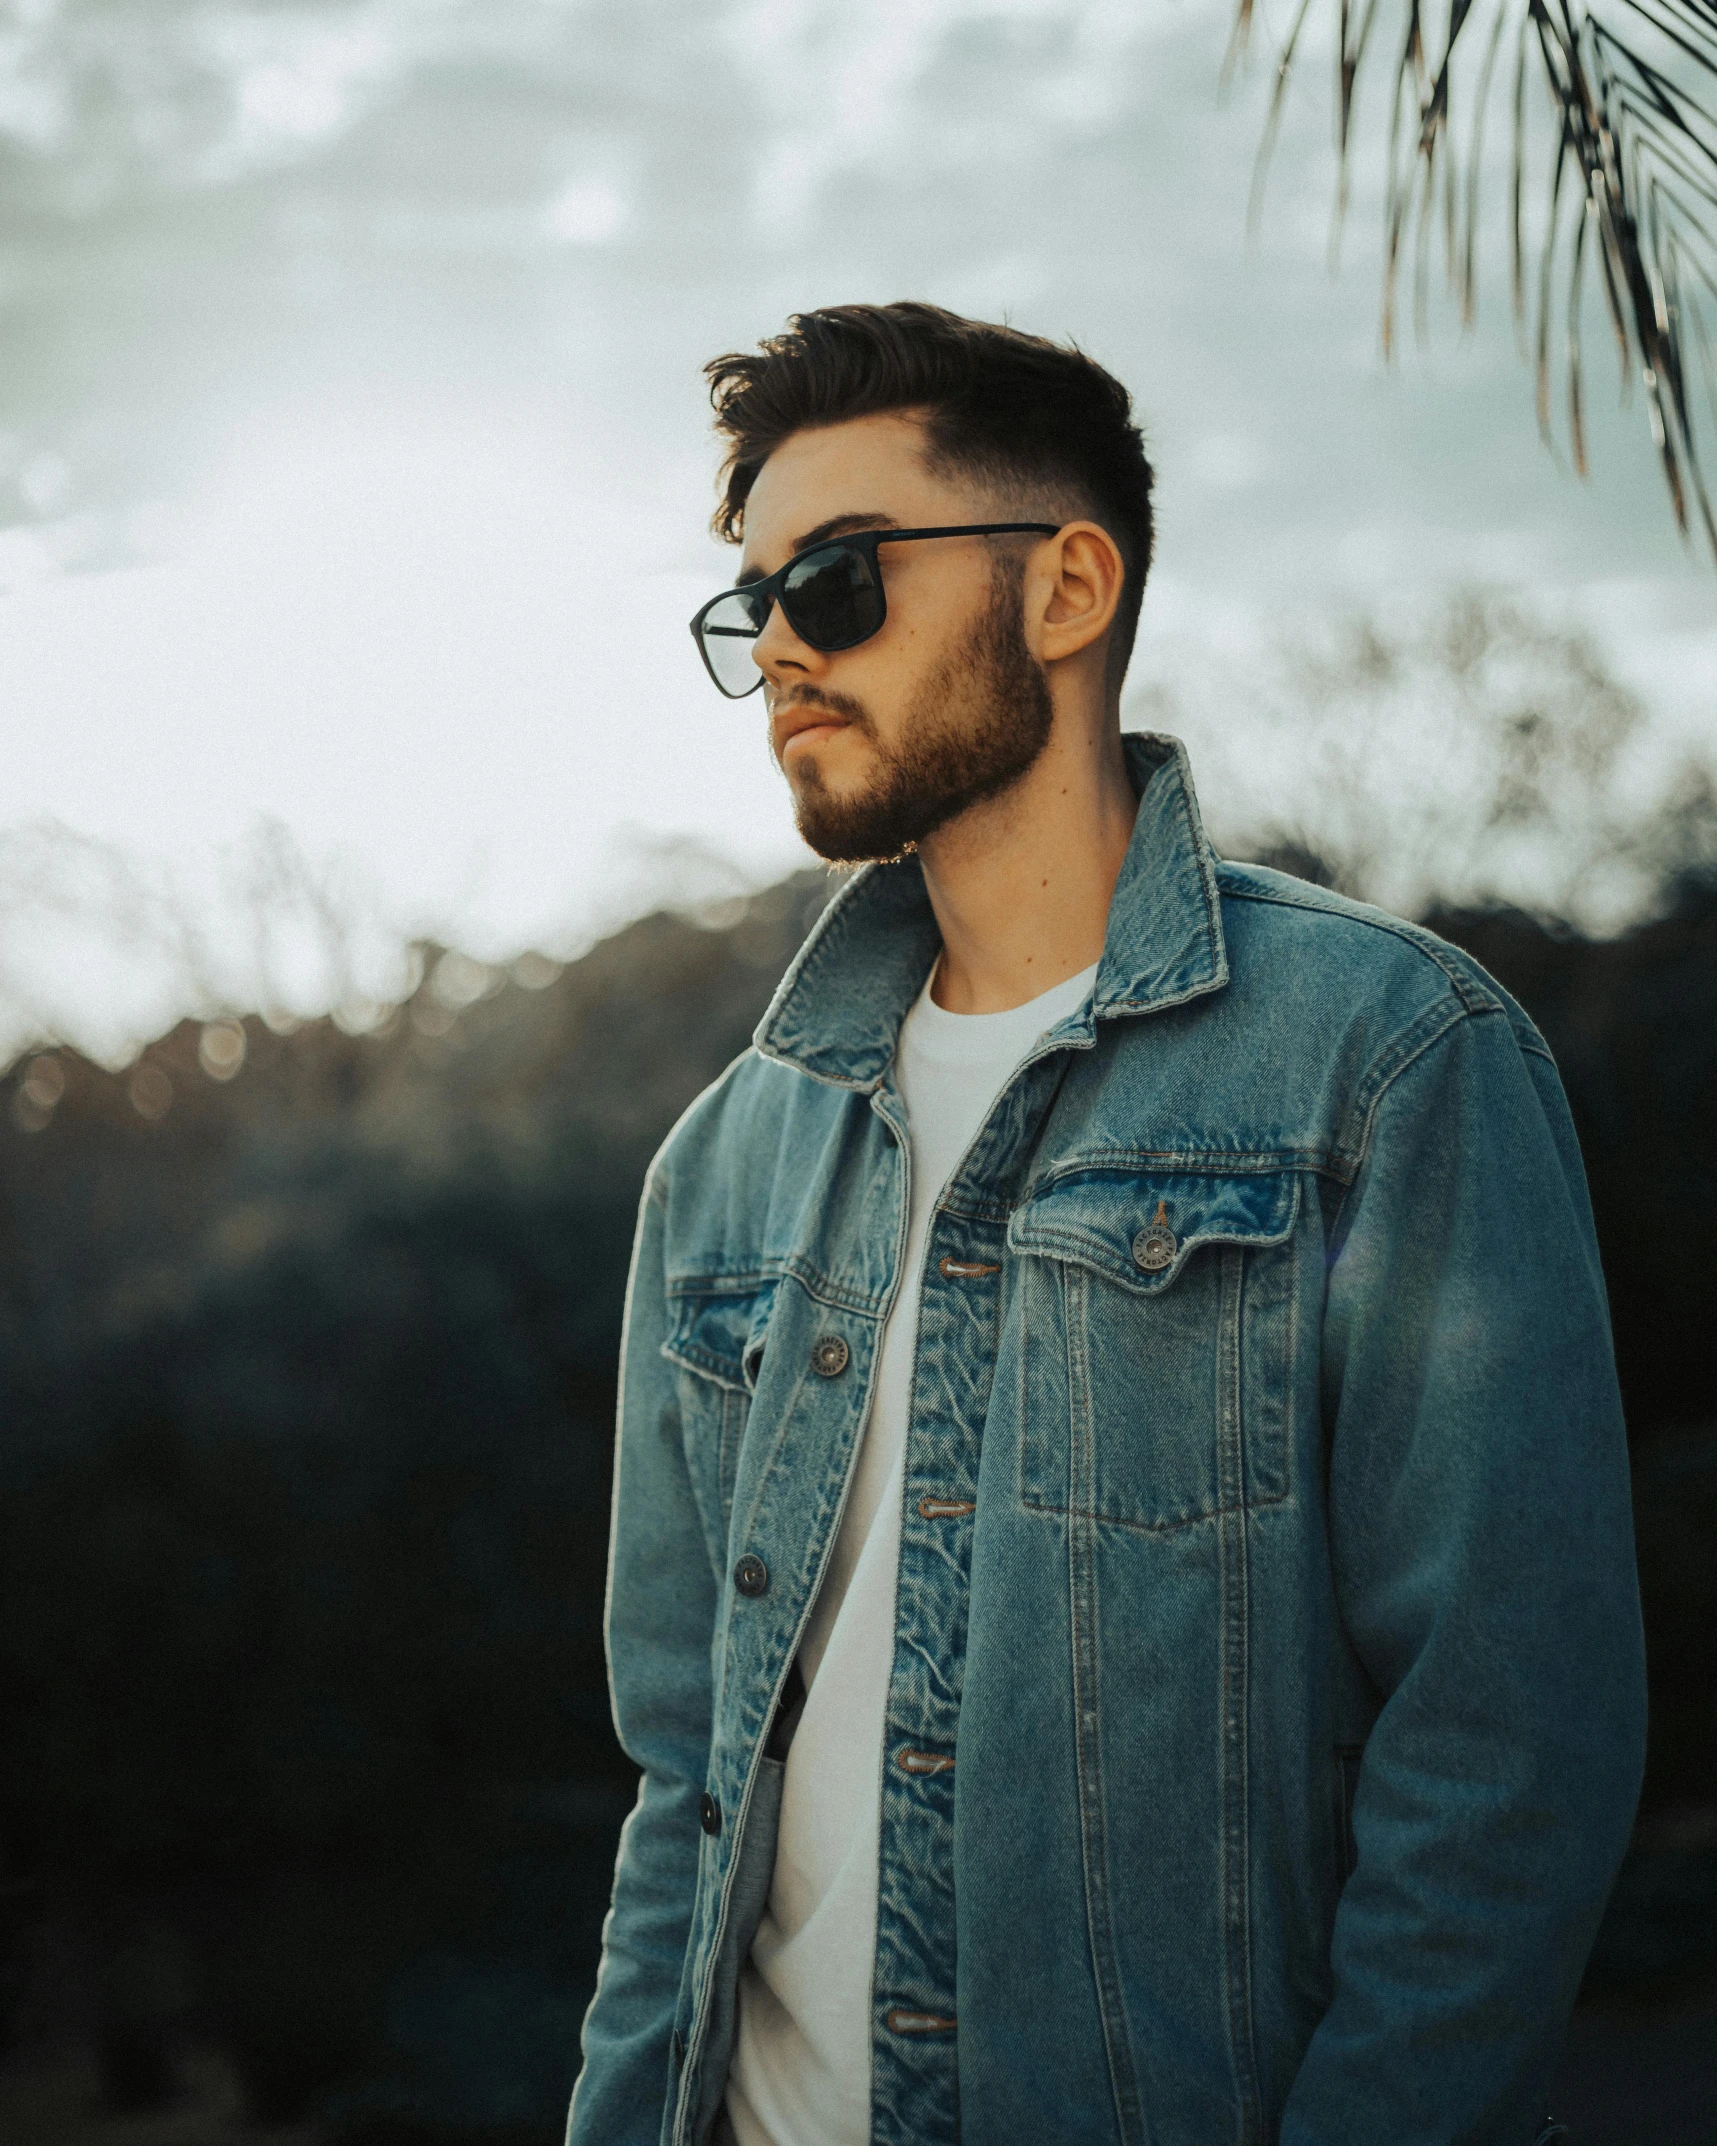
x,y
888,678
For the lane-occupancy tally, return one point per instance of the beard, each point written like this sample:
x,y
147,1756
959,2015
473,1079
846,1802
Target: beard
x,y
973,731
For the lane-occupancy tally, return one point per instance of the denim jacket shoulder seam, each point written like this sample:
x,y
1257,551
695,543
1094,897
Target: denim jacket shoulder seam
x,y
1473,996
1407,1049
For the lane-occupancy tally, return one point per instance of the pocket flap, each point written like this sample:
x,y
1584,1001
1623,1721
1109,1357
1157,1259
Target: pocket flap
x,y
718,1330
1141,1227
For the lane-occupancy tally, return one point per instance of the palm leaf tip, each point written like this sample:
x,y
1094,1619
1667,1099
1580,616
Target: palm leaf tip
x,y
1629,206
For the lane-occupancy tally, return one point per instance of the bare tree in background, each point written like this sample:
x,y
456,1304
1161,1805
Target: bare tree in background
x,y
1608,111
104,947
1472,754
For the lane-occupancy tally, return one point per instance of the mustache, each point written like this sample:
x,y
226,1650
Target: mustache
x,y
810,696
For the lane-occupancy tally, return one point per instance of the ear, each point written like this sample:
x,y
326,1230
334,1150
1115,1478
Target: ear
x,y
1075,585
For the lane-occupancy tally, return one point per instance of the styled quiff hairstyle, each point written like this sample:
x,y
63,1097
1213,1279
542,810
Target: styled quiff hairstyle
x,y
1038,425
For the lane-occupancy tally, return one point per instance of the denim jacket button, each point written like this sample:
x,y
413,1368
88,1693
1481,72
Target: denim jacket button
x,y
751,1575
1154,1247
709,1813
830,1357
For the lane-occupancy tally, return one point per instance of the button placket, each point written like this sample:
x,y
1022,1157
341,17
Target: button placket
x,y
959,1309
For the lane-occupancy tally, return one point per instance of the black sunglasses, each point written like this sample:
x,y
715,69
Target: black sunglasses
x,y
832,596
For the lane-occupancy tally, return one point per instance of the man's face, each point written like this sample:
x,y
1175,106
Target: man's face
x,y
887,742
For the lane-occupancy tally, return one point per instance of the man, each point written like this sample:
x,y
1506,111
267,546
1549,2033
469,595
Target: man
x,y
1122,1586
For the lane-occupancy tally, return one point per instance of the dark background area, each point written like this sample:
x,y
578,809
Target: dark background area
x,y
310,1792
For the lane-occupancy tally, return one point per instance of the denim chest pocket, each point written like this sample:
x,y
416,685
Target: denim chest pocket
x,y
1153,1333
717,1330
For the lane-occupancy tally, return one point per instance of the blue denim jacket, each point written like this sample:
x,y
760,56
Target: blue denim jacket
x,y
1266,1565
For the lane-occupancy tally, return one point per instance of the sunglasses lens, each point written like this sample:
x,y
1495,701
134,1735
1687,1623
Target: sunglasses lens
x,y
832,597
729,633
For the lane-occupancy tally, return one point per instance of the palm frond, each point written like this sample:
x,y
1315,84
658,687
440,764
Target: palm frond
x,y
1628,122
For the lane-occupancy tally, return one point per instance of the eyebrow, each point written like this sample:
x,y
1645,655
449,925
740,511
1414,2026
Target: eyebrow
x,y
836,525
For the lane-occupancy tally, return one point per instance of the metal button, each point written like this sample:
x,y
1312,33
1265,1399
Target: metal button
x,y
709,1813
1154,1247
751,1575
830,1357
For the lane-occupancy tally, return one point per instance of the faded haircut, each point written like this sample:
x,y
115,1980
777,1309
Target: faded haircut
x,y
1035,424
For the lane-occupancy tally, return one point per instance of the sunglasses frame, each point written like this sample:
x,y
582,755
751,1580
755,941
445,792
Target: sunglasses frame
x,y
769,587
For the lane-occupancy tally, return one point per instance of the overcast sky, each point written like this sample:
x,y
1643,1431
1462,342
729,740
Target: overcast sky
x,y
355,468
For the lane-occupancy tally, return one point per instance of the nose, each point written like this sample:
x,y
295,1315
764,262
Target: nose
x,y
779,653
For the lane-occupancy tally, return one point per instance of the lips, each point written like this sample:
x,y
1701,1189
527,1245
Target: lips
x,y
809,723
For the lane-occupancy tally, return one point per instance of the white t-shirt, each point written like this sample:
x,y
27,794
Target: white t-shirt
x,y
801,2063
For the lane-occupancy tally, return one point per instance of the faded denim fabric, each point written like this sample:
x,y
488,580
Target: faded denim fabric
x,y
1266,1565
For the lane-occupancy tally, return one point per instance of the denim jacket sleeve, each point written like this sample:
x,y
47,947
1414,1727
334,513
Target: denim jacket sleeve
x,y
661,1614
1484,1564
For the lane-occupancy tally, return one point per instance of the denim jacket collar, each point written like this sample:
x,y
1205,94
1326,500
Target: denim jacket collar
x,y
838,1011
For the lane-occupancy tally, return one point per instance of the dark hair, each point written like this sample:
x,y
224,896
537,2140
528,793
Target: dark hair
x,y
1024,416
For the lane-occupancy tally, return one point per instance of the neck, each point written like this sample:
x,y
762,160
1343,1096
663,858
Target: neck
x,y
1021,884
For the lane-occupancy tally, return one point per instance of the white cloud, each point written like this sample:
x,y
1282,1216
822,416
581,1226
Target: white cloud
x,y
587,212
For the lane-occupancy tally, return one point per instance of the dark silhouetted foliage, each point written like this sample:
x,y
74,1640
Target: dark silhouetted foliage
x,y
309,1385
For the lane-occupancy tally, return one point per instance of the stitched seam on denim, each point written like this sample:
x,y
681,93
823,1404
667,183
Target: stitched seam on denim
x,y
1214,953
850,1083
701,1463
1093,1818
691,2072
1154,1527
1408,1060
735,1409
1217,1512
1387,1068
701,2006
825,934
827,1291
974,1210
1075,1244
719,1370
1168,1001
742,1281
1347,1850
784,1424
843,1487
1190,1162
722,1282
975,1205
1290,1361
1028,1446
1207,868
1232,1562
1474,998
662,1163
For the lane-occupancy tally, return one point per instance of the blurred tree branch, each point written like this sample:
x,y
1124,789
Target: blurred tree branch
x,y
1473,753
